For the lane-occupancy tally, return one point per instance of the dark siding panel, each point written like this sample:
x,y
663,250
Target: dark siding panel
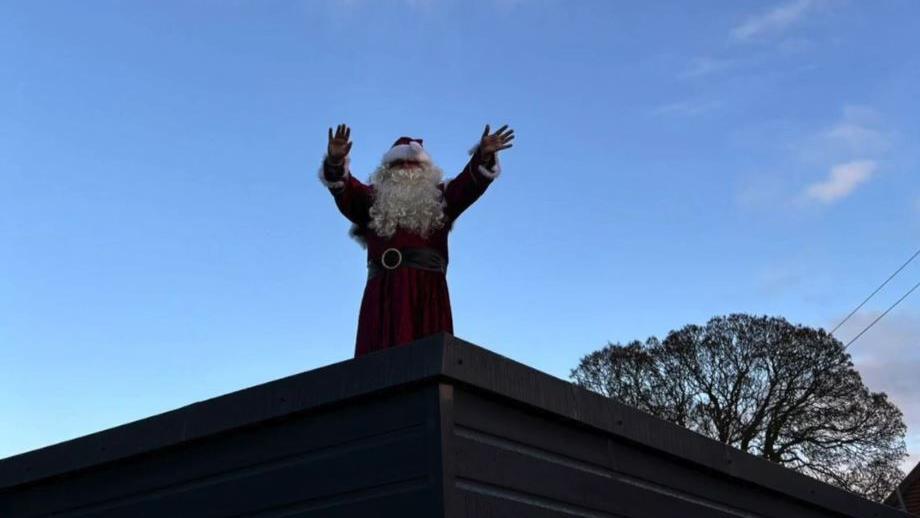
x,y
912,499
399,504
403,433
489,501
502,379
295,480
364,445
484,502
444,469
567,445
337,384
590,493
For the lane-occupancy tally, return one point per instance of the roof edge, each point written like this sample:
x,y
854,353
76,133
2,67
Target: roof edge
x,y
359,377
485,370
904,487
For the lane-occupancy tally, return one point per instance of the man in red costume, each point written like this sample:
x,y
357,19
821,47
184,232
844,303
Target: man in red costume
x,y
403,217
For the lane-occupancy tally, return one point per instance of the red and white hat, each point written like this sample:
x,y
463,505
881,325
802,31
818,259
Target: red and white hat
x,y
407,148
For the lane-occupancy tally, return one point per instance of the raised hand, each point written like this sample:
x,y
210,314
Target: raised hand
x,y
491,144
339,146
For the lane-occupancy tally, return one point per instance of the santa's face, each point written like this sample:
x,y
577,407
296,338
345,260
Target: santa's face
x,y
406,195
404,164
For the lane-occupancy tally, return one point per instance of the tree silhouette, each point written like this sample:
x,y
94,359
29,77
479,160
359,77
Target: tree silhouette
x,y
787,393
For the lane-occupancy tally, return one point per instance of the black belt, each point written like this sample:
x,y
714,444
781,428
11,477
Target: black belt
x,y
421,258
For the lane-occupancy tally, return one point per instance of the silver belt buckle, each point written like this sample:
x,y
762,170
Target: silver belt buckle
x,y
383,259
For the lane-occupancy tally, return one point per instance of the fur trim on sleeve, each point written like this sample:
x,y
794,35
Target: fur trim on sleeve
x,y
491,174
338,184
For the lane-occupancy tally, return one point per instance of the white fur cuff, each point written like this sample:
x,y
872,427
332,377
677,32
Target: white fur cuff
x,y
338,184
491,174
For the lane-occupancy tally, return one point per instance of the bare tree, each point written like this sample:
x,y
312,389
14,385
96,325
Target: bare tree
x,y
787,393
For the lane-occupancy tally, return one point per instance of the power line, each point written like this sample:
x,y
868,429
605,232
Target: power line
x,y
868,327
863,303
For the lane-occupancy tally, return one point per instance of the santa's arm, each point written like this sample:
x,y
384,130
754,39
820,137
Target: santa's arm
x,y
480,171
352,197
470,184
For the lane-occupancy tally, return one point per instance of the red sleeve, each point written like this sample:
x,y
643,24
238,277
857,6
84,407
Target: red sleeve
x,y
469,185
352,197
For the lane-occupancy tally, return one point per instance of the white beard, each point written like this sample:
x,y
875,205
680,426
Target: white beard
x,y
407,198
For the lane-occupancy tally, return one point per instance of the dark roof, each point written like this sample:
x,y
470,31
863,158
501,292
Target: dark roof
x,y
437,357
910,482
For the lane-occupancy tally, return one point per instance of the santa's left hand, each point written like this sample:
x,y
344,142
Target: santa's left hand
x,y
491,144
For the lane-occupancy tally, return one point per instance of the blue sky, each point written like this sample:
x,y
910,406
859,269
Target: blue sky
x,y
164,238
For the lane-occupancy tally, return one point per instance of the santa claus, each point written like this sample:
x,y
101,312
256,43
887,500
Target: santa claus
x,y
402,217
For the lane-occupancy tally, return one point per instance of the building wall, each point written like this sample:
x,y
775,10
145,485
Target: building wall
x,y
912,499
368,458
436,428
508,460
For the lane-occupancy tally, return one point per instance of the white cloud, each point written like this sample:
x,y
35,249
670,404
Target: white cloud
x,y
421,4
796,45
862,114
508,5
777,280
414,4
764,191
773,21
914,459
686,108
888,359
858,131
842,181
704,66
858,137
858,134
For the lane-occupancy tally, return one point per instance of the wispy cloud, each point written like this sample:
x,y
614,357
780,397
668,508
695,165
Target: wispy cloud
x,y
913,442
686,108
508,5
773,21
777,280
502,5
858,131
842,181
888,359
704,66
421,4
764,191
857,135
415,4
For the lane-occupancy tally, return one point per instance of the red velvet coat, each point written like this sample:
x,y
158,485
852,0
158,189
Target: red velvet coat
x,y
407,303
